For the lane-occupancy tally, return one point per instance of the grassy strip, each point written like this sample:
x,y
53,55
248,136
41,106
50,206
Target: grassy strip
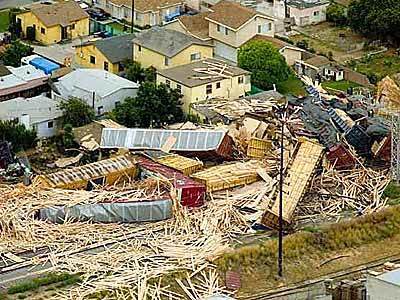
x,y
64,279
4,20
342,85
299,246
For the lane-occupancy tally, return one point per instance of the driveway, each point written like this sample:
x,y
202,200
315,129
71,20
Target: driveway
x,y
14,3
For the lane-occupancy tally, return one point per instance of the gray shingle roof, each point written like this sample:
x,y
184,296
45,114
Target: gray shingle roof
x,y
166,41
117,48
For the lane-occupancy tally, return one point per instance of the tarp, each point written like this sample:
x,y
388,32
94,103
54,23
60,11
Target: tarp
x,y
45,65
120,212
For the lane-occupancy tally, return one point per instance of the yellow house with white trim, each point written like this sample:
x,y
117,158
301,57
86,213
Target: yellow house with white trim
x,y
164,48
206,79
53,23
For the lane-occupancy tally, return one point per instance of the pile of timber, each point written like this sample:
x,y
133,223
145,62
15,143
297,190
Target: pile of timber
x,y
229,175
335,191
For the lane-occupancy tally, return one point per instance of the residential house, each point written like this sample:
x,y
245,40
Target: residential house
x,y
291,53
146,12
52,23
25,81
306,12
206,79
100,89
231,25
107,54
164,48
312,66
228,25
39,113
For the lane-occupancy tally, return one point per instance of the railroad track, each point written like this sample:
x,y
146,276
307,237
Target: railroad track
x,y
304,285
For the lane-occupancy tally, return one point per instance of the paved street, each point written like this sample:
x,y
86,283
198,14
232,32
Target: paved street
x,y
13,3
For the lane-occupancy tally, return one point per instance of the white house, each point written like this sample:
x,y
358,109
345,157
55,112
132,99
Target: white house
x,y
384,287
40,113
100,89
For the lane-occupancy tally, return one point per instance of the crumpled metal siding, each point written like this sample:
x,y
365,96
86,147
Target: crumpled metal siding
x,y
125,212
186,140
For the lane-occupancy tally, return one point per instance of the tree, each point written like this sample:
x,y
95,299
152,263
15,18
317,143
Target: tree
x,y
154,106
136,73
265,63
17,135
337,14
13,54
76,112
376,19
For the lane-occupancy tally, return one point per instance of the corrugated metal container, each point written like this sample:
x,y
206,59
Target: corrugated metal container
x,y
341,157
190,192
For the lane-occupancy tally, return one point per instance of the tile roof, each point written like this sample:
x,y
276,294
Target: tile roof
x,y
197,25
116,49
186,74
60,13
167,42
147,5
231,14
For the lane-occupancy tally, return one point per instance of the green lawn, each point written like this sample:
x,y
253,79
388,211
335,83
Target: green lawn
x,y
4,20
342,85
293,86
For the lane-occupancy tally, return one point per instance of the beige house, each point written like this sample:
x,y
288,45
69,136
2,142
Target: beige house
x,y
164,48
229,25
307,12
146,12
206,79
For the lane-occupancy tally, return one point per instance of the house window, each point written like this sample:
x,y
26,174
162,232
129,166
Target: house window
x,y
50,124
120,67
139,48
117,103
195,56
218,28
168,83
316,13
269,26
106,66
92,59
100,110
73,26
218,85
259,29
42,30
240,80
226,31
179,88
166,61
208,89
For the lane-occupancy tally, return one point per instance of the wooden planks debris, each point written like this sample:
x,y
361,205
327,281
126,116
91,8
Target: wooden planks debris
x,y
229,175
185,165
296,181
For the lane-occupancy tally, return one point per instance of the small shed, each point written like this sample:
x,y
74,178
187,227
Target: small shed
x,y
104,172
190,192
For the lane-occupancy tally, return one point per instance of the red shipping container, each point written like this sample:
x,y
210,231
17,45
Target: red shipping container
x,y
341,157
191,193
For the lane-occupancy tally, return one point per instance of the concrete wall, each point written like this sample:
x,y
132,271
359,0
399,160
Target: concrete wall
x,y
356,77
82,58
149,58
229,89
44,131
291,55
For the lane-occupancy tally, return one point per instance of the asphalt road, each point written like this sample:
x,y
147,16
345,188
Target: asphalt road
x,y
13,3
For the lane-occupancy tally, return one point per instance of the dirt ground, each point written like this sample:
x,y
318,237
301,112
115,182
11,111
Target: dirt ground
x,y
342,42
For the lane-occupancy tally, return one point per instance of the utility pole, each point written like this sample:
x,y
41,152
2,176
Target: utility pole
x,y
132,15
280,239
287,15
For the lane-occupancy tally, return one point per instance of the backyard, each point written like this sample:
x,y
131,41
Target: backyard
x,y
378,66
342,85
324,38
4,20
